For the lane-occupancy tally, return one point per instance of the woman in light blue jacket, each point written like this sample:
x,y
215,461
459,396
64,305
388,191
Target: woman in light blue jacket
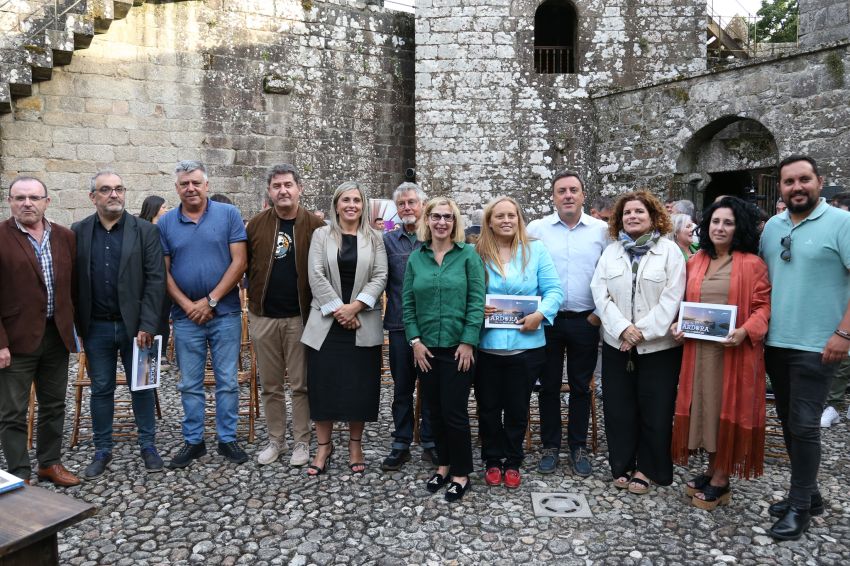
x,y
510,359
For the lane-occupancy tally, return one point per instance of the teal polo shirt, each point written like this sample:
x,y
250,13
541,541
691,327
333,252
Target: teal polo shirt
x,y
810,292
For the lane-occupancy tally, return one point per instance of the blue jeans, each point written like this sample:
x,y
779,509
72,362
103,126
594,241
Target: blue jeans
x,y
103,343
404,383
223,334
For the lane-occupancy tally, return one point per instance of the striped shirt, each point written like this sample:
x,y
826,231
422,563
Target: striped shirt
x,y
45,260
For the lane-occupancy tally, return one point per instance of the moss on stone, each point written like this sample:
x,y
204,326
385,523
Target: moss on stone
x,y
835,68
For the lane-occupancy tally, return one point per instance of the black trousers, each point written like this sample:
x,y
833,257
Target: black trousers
x,y
638,407
447,392
47,366
404,384
580,341
801,384
503,391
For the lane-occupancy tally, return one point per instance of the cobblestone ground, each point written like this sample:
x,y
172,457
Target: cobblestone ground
x,y
215,512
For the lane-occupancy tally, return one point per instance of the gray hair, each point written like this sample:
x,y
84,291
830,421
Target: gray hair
x,y
21,178
283,169
365,227
407,186
563,173
101,173
603,203
476,216
684,207
679,221
188,165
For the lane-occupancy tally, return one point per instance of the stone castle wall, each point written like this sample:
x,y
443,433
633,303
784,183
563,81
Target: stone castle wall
x,y
185,81
823,21
488,124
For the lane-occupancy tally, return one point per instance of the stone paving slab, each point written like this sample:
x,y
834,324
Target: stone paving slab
x,y
215,512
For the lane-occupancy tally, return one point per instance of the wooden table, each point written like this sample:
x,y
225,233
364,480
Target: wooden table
x,y
30,518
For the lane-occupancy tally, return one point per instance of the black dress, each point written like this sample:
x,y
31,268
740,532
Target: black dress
x,y
343,380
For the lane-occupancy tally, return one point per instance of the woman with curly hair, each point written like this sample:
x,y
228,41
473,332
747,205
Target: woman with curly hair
x,y
637,287
721,401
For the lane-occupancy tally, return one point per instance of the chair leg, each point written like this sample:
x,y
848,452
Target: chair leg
x,y
31,417
78,399
156,400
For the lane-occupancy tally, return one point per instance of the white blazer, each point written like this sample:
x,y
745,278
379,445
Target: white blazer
x,y
370,278
660,288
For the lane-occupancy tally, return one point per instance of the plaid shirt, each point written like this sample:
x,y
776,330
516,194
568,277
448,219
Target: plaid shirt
x,y
45,259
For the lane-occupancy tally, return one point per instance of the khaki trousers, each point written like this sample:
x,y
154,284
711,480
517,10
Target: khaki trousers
x,y
277,342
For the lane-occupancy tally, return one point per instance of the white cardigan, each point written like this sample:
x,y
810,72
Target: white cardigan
x,y
660,288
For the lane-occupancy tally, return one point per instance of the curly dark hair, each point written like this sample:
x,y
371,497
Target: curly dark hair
x,y
746,237
657,213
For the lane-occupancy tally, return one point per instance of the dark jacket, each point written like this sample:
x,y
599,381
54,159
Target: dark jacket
x,y
23,292
262,236
141,275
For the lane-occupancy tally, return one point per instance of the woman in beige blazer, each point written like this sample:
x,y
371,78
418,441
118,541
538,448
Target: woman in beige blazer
x,y
348,273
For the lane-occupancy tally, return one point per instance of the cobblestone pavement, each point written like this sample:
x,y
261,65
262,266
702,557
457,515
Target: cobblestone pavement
x,y
215,512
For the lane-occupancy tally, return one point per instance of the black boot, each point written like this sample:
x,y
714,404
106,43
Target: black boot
x,y
792,525
779,508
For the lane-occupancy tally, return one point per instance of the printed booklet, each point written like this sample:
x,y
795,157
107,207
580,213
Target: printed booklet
x,y
707,321
8,482
146,365
510,309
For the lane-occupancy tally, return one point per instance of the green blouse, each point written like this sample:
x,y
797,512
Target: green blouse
x,y
443,305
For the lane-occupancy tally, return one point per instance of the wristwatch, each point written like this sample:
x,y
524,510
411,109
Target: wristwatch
x,y
414,341
212,302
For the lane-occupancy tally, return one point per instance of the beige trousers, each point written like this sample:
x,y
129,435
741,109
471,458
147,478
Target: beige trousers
x,y
277,342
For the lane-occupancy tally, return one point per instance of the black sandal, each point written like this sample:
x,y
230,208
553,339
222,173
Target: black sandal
x,y
356,467
699,482
313,470
712,496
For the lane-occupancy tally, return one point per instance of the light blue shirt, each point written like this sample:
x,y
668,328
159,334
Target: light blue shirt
x,y
575,252
539,278
810,292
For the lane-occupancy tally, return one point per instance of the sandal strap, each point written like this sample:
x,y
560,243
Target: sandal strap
x,y
640,482
714,492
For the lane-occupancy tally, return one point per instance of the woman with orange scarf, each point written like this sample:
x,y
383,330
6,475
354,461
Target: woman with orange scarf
x,y
720,406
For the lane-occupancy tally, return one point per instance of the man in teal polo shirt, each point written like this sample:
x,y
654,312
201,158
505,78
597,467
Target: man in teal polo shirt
x,y
807,251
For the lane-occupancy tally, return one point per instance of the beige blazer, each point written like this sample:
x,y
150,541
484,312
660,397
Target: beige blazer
x,y
370,278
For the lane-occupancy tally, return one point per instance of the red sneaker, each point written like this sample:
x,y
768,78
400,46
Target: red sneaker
x,y
493,476
512,479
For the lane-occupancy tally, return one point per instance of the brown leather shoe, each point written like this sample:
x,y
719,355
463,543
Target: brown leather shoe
x,y
27,482
59,475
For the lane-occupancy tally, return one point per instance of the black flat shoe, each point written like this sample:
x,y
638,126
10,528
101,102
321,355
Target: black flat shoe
x,y
792,525
779,508
435,482
455,491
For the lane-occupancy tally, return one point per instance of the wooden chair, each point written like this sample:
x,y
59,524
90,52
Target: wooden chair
x,y
534,416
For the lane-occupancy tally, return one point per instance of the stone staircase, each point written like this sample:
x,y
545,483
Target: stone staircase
x,y
54,43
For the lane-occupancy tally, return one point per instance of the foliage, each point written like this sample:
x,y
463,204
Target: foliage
x,y
777,22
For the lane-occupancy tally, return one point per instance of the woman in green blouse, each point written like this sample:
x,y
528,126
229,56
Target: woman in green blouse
x,y
443,304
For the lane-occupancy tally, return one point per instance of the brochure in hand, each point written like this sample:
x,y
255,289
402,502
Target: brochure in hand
x,y
8,482
146,365
510,309
707,321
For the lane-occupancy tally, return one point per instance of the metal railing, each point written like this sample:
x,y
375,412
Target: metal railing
x,y
553,59
49,15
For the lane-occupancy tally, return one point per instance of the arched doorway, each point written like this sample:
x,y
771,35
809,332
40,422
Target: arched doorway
x,y
730,156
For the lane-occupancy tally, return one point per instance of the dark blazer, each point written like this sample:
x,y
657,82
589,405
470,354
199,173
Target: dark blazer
x,y
23,292
141,275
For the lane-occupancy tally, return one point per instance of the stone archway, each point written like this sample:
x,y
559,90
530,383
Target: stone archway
x,y
731,155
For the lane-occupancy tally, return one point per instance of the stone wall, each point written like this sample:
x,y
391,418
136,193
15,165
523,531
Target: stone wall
x,y
823,21
185,81
488,124
644,135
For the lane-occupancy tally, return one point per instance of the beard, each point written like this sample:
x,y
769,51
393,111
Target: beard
x,y
810,203
408,219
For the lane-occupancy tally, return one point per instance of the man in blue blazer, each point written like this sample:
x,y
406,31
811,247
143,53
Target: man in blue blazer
x,y
121,286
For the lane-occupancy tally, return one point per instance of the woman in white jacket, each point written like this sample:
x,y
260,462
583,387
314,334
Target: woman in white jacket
x,y
637,287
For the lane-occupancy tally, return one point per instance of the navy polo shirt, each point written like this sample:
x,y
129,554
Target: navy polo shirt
x,y
200,252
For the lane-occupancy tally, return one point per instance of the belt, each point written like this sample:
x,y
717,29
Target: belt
x,y
573,314
108,317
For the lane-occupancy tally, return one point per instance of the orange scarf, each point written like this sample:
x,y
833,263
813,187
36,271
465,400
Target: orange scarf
x,y
740,437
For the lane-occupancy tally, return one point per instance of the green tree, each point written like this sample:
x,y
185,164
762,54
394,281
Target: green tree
x,y
777,21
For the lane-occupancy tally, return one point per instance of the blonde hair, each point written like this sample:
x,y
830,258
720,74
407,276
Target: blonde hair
x,y
487,246
364,227
423,231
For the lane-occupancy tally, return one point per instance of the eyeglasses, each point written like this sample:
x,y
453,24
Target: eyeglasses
x,y
22,199
786,253
107,190
447,218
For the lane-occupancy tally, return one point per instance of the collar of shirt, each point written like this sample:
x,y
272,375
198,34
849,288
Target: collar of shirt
x,y
458,245
47,228
183,218
118,225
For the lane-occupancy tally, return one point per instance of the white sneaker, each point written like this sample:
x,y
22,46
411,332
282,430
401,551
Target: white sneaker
x,y
848,413
300,454
829,417
269,453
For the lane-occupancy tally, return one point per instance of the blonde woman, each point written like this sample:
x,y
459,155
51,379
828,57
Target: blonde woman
x,y
510,360
348,273
443,306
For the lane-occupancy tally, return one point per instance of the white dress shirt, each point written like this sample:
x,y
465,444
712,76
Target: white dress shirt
x,y
575,252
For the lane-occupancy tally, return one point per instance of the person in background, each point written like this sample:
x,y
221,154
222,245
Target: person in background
x,y
378,224
510,359
218,197
720,406
153,207
780,206
601,208
443,305
684,207
637,286
682,234
348,272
